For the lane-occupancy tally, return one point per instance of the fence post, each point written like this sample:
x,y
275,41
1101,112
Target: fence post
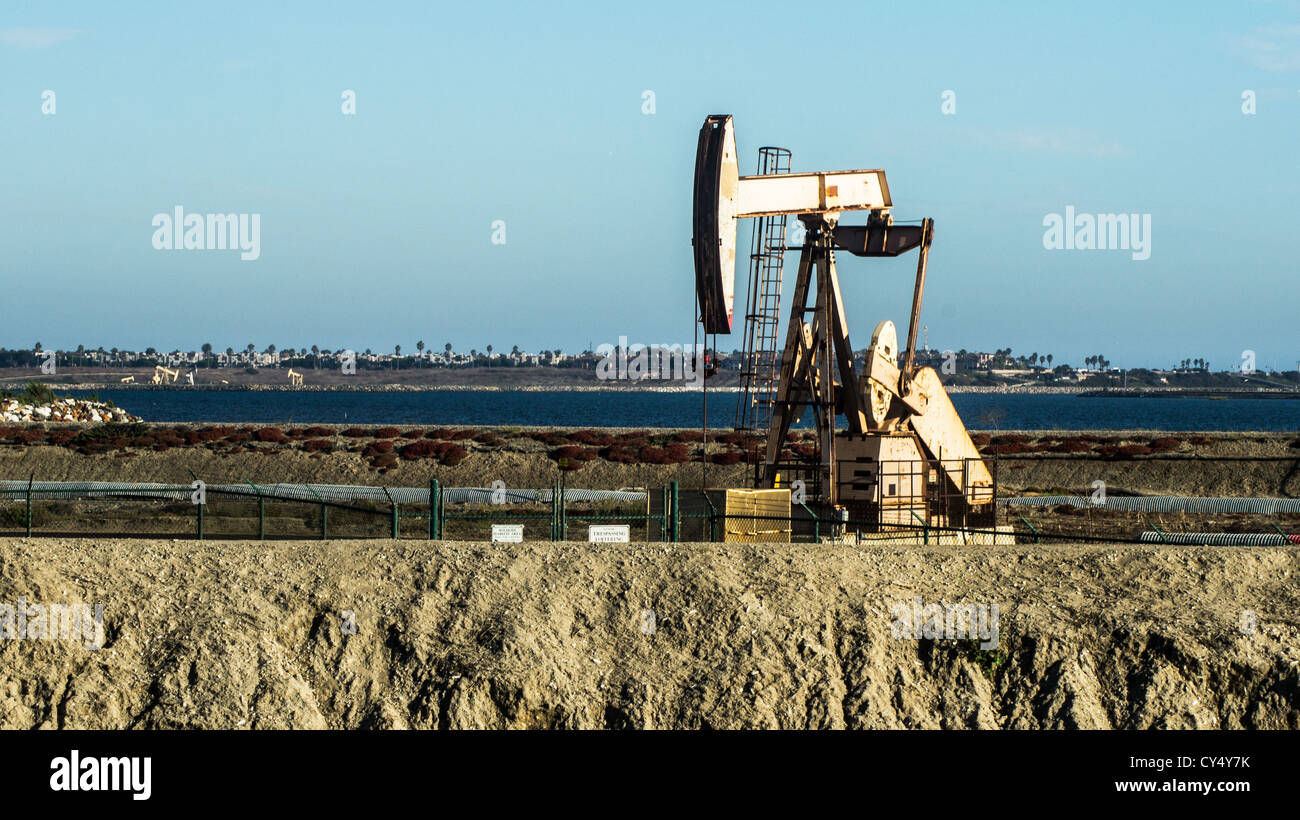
x,y
713,517
1159,532
324,521
817,524
677,521
393,503
1027,524
200,507
29,504
925,527
442,521
433,493
555,511
261,511
663,514
564,515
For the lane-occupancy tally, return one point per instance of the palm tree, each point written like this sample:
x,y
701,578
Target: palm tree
x,y
489,350
1049,359
419,347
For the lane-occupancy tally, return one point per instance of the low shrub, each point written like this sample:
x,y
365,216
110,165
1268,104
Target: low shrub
x,y
60,436
418,449
1071,446
620,454
1009,448
1013,438
672,454
549,437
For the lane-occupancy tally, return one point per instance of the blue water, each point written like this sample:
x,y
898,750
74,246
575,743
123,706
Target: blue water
x,y
634,409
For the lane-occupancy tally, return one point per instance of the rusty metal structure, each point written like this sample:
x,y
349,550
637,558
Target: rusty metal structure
x,y
894,413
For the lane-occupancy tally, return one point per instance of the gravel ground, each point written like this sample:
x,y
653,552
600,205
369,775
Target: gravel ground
x,y
384,634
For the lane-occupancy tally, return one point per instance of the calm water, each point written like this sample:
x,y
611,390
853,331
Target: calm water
x,y
625,409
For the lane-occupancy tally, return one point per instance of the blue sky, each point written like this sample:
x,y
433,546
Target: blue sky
x,y
376,228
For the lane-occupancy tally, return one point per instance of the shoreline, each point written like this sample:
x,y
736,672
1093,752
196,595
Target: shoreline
x,y
1025,390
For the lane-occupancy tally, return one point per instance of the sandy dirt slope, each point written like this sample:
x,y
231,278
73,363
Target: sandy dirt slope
x,y
458,635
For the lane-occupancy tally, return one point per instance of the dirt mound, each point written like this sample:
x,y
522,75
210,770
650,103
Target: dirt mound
x,y
434,634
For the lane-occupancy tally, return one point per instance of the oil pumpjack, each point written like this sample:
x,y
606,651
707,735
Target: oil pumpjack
x,y
902,455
